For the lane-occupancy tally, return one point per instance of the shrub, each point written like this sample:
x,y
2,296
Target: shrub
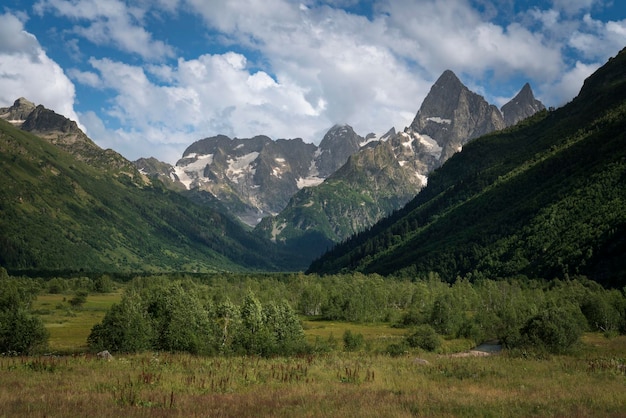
x,y
424,337
397,349
57,285
126,327
600,314
21,332
352,342
103,284
445,317
554,330
79,299
413,316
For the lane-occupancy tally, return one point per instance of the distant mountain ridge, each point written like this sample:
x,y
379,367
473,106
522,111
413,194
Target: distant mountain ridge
x,y
316,196
256,177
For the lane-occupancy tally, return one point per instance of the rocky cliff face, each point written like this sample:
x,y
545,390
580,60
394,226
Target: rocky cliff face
x,y
452,115
17,113
339,143
161,171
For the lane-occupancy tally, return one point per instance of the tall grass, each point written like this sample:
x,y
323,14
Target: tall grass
x,y
588,382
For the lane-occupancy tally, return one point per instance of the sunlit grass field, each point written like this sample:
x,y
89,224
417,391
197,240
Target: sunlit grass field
x,y
69,327
589,381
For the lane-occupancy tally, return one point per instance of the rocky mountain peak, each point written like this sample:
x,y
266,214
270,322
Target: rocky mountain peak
x,y
46,120
66,134
448,79
45,123
451,115
17,113
523,105
339,143
440,104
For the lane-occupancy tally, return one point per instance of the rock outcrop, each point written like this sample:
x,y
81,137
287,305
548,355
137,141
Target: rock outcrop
x,y
17,113
522,106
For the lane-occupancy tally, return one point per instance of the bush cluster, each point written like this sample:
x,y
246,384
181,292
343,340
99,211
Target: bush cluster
x,y
20,332
180,316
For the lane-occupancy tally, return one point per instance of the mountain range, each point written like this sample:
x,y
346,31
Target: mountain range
x,y
309,197
541,198
256,177
544,198
390,171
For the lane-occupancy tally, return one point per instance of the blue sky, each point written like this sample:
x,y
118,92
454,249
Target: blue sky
x,y
149,77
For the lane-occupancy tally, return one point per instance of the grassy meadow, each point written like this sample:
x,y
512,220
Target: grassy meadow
x,y
69,326
588,381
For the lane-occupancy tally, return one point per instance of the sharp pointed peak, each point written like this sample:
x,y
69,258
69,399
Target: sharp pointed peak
x,y
338,126
525,93
526,90
448,75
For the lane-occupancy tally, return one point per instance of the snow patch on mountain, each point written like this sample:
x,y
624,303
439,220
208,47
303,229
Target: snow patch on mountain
x,y
407,140
240,166
308,181
187,173
429,143
437,119
369,139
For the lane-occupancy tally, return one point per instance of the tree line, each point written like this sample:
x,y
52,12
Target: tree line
x,y
260,314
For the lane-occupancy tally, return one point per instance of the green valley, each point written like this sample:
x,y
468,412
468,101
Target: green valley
x,y
62,214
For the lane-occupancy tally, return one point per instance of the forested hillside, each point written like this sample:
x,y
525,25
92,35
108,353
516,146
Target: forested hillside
x,y
59,213
542,199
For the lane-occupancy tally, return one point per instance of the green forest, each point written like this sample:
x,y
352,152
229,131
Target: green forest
x,y
245,314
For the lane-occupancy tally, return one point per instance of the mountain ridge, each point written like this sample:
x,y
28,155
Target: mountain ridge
x,y
68,208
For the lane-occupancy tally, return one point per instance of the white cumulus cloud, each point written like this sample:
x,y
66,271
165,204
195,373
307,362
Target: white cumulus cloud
x,y
289,68
110,22
26,71
208,95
